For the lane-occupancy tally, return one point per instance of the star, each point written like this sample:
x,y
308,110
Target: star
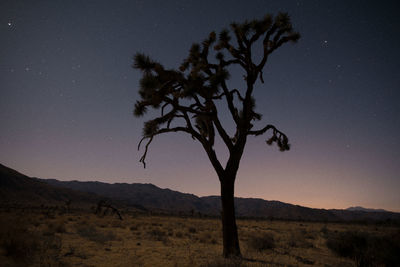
x,y
9,24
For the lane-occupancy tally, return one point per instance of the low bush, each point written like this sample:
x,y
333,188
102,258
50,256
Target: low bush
x,y
366,249
158,235
56,227
221,262
20,244
300,240
263,241
26,246
134,227
324,230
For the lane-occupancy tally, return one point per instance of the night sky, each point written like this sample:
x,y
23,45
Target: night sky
x,y
67,91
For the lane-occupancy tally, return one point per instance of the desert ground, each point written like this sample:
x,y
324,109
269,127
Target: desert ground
x,y
77,238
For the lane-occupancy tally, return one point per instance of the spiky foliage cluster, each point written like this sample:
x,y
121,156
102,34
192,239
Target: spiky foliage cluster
x,y
201,81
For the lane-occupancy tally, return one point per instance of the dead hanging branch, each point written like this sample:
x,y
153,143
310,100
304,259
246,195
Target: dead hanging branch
x,y
143,158
151,136
103,204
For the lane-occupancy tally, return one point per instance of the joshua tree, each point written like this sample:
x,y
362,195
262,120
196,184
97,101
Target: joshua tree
x,y
187,99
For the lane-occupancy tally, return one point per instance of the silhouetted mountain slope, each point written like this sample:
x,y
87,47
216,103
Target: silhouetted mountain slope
x,y
255,207
146,195
17,189
358,208
155,198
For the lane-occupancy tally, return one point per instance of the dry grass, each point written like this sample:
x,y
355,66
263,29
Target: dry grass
x,y
87,240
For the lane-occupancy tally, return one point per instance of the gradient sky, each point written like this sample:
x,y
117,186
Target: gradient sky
x,y
67,92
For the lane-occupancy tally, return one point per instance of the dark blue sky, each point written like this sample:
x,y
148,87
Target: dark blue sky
x,y
67,92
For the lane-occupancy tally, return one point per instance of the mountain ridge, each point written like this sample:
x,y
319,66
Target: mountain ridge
x,y
359,208
151,197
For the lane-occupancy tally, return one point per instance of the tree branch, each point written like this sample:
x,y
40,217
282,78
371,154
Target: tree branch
x,y
238,94
163,130
277,136
225,137
229,101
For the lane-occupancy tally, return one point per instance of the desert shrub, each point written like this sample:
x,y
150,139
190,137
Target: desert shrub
x,y
366,249
35,222
347,244
50,251
102,224
261,242
324,230
385,249
18,243
157,235
90,232
170,232
55,227
117,224
304,260
205,237
25,247
299,240
221,262
192,230
82,221
308,234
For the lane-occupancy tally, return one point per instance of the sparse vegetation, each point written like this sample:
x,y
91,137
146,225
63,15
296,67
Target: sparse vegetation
x,y
222,262
91,233
57,226
366,249
300,239
18,242
85,239
22,245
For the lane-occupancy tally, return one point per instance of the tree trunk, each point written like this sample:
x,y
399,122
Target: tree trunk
x,y
229,229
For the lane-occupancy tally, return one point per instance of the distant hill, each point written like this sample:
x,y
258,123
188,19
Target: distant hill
x,y
358,208
20,188
152,197
148,196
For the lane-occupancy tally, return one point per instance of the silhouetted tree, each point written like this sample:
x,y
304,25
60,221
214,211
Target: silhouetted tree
x,y
187,99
